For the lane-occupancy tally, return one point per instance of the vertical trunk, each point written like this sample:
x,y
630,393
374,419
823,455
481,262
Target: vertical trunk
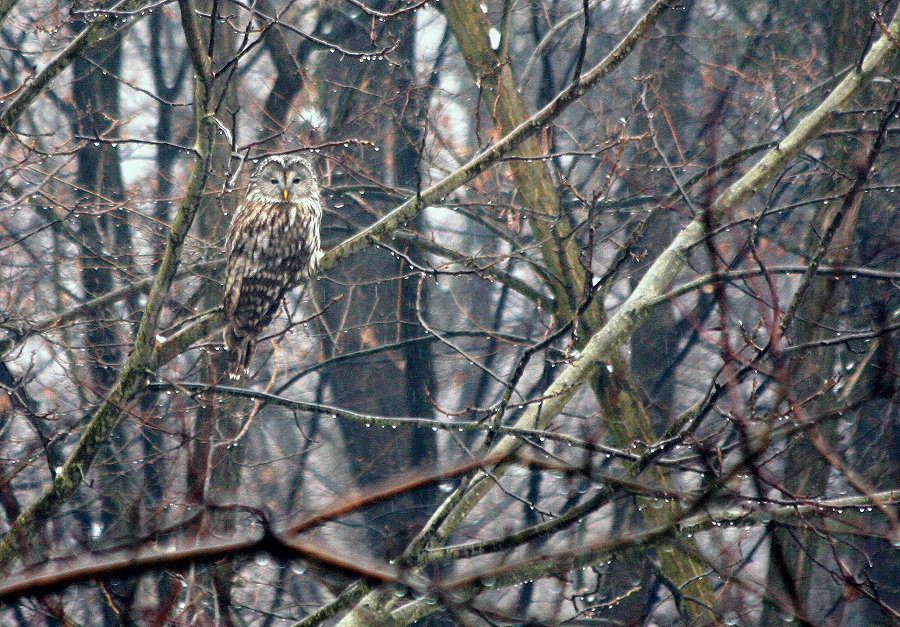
x,y
794,553
99,177
626,418
289,68
104,238
214,467
411,116
376,307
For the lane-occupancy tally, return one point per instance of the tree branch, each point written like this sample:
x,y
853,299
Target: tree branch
x,y
549,565
102,27
653,284
133,377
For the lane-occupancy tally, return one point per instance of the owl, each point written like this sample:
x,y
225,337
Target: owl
x,y
272,247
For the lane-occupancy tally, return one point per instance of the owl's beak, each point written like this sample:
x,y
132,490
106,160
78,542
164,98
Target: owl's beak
x,y
286,193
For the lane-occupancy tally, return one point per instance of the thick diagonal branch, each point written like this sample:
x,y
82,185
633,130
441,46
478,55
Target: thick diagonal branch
x,y
134,375
661,273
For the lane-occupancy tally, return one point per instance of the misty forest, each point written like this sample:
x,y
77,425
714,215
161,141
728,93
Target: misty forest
x,y
605,331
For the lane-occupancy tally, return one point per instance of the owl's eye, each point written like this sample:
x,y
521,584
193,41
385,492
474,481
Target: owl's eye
x,y
273,181
297,179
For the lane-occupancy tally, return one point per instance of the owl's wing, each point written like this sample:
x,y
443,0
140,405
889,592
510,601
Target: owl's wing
x,y
233,279
235,267
310,218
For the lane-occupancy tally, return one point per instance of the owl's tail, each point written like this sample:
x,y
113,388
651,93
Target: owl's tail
x,y
240,352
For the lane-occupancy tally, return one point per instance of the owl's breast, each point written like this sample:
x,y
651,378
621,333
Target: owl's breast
x,y
283,235
277,233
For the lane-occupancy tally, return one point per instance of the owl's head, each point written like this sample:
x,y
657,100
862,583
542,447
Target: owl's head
x,y
283,178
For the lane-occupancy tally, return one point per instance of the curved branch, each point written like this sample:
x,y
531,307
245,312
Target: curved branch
x,y
133,377
653,284
277,545
552,564
102,27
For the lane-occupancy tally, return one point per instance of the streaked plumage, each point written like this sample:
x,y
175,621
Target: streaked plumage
x,y
272,247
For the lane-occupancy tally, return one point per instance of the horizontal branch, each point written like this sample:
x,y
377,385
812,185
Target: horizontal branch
x,y
550,565
707,279
363,352
371,420
96,304
656,279
283,545
190,552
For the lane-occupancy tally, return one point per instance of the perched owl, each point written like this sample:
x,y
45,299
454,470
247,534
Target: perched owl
x,y
272,247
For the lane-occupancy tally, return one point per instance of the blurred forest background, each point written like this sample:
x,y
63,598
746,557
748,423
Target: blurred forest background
x,y
606,331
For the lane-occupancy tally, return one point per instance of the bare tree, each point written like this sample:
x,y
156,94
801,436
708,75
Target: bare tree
x,y
605,331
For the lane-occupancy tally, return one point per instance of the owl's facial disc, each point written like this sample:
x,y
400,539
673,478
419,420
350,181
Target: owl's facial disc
x,y
278,181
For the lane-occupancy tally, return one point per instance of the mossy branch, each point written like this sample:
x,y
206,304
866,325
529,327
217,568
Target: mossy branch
x,y
135,372
491,155
106,24
5,7
549,565
653,284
